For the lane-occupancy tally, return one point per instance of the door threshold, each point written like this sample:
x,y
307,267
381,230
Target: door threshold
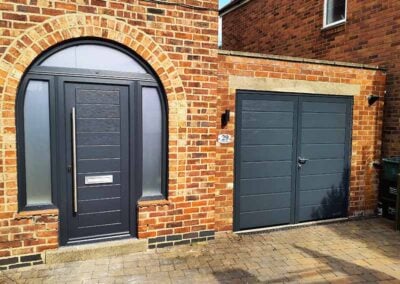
x,y
95,250
291,226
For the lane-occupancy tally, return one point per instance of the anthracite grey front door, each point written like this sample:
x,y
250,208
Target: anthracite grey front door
x,y
97,129
292,158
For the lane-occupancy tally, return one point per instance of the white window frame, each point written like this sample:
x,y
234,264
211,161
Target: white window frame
x,y
325,25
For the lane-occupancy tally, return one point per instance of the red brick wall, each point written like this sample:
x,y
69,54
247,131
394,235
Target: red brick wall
x,y
179,43
294,28
366,132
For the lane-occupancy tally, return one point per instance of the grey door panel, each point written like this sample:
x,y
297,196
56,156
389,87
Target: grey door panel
x,y
106,204
267,106
265,202
264,156
93,192
265,185
327,171
266,169
265,218
91,125
262,120
323,120
107,138
322,166
270,136
324,107
323,151
100,111
323,136
99,165
263,153
102,141
320,181
272,132
100,151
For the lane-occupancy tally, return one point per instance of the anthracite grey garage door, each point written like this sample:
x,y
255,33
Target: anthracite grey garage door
x,y
292,158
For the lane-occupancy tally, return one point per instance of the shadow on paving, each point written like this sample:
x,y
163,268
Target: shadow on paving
x,y
378,236
235,276
348,270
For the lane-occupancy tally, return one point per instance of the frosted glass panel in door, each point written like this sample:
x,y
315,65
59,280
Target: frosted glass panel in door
x,y
152,141
37,143
92,56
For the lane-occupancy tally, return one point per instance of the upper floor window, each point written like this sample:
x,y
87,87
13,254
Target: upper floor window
x,y
334,12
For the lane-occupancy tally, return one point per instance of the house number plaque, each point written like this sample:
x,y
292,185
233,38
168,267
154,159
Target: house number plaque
x,y
224,138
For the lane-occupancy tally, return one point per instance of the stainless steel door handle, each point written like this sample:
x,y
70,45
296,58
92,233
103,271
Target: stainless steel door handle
x,y
302,161
74,178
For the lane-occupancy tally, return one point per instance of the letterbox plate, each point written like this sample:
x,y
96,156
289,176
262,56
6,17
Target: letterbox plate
x,y
98,179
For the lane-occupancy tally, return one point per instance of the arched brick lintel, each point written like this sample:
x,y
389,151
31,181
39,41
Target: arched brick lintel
x,y
29,45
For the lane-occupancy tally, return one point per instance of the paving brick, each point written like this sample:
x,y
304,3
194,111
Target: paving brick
x,y
348,252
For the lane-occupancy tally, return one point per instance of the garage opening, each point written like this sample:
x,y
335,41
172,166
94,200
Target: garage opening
x,y
292,158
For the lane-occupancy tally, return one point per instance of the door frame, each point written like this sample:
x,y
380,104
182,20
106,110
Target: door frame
x,y
296,142
62,161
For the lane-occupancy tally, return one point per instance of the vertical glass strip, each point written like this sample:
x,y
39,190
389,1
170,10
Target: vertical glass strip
x,y
37,143
152,141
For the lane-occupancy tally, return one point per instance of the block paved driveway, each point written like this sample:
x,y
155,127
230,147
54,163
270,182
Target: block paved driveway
x,y
366,251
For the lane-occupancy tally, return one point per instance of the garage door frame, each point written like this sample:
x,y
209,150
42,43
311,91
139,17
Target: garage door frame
x,y
240,95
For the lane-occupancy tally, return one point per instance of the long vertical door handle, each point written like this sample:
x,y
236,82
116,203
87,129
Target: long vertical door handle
x,y
74,179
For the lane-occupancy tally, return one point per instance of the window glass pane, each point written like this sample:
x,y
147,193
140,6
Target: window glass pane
x,y
335,11
37,143
152,141
91,56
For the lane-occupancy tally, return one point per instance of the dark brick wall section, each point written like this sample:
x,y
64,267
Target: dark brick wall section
x,y
20,261
181,239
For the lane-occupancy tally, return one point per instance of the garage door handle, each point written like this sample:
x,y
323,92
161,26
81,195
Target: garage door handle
x,y
301,160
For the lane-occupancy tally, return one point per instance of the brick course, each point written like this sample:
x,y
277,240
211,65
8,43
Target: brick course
x,y
294,28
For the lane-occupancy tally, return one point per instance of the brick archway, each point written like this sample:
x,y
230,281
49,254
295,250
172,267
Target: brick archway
x,y
28,46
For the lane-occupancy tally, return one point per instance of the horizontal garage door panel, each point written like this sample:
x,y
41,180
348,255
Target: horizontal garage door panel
x,y
312,213
321,196
321,167
266,153
323,136
323,151
265,185
262,202
327,107
264,218
320,181
259,105
266,169
266,136
323,120
262,120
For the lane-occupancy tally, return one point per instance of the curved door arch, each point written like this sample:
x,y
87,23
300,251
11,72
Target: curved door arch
x,y
94,140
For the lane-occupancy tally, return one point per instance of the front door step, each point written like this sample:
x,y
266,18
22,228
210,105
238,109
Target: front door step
x,y
95,250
